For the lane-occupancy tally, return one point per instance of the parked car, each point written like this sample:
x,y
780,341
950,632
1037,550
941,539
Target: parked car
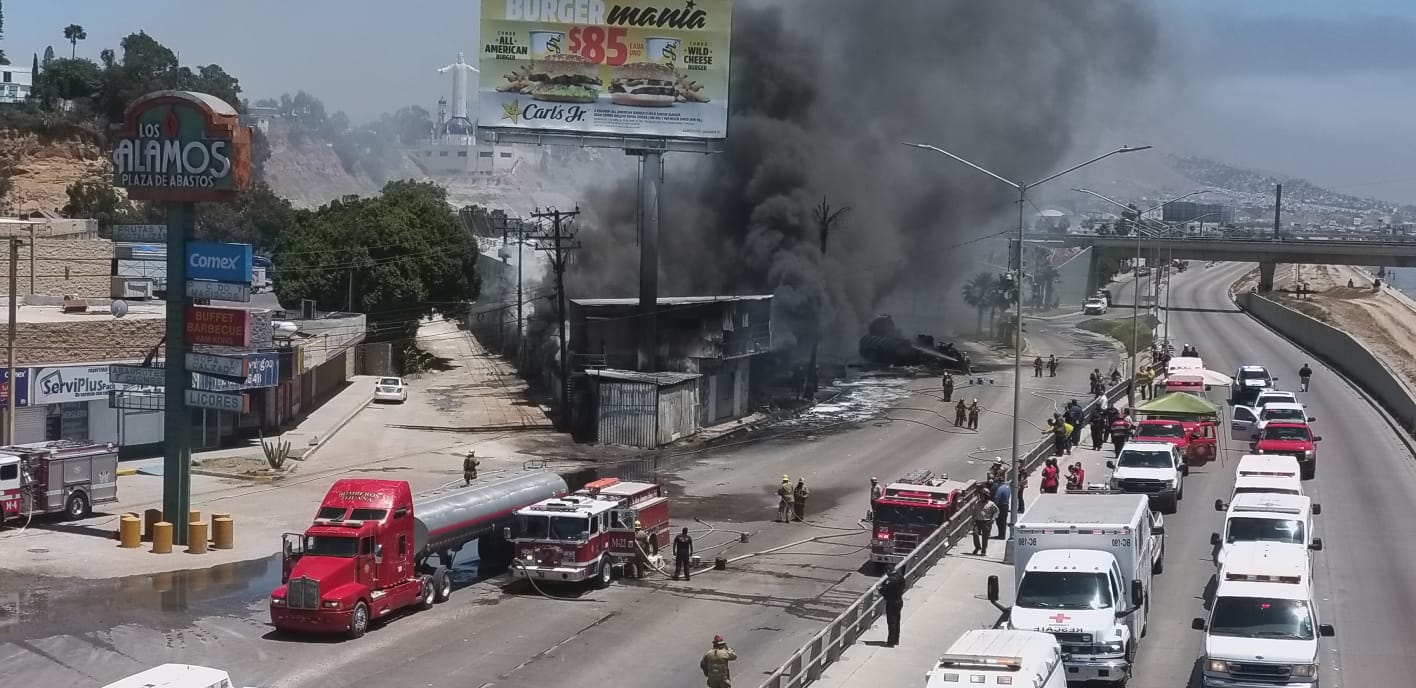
x,y
1094,306
390,389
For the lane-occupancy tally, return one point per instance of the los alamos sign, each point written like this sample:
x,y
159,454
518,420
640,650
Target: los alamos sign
x,y
181,146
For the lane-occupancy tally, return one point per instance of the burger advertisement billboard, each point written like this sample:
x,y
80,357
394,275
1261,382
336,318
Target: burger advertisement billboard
x,y
612,67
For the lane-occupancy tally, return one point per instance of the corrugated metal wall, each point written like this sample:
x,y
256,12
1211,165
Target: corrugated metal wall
x,y
678,411
627,413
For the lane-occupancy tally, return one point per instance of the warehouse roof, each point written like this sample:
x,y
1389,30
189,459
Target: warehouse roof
x,y
662,379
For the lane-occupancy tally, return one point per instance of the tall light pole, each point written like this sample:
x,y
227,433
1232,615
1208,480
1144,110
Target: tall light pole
x,y
1136,282
1022,188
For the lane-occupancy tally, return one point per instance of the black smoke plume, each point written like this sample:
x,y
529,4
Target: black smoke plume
x,y
823,93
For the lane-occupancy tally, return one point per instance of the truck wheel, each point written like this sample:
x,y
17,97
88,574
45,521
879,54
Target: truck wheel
x,y
1159,566
603,575
425,601
77,506
1170,506
359,621
1308,472
442,584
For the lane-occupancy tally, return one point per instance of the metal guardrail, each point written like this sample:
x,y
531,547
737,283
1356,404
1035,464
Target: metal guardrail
x,y
806,665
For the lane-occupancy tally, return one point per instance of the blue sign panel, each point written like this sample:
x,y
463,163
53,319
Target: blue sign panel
x,y
21,387
262,370
219,262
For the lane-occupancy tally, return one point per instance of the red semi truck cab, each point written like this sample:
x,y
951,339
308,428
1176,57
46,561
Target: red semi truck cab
x,y
1197,440
909,511
368,552
587,536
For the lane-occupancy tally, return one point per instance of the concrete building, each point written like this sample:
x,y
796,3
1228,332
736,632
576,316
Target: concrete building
x,y
453,154
714,337
16,82
1188,211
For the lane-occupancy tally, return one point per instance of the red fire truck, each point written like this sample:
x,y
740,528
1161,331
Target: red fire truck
x,y
589,535
367,554
60,476
909,511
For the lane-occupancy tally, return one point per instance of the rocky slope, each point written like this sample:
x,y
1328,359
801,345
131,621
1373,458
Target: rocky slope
x,y
41,172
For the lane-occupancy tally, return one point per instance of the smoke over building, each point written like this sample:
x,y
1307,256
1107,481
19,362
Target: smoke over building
x,y
822,95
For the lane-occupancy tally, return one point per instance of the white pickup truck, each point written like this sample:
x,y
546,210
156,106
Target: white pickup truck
x,y
176,676
1083,569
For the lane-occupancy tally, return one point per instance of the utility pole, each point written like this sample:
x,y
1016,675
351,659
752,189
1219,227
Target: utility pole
x,y
10,337
559,244
1277,210
826,218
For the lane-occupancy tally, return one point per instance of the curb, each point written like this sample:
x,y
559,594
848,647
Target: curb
x,y
337,427
247,478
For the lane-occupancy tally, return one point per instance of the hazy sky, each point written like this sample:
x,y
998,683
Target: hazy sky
x,y
1315,88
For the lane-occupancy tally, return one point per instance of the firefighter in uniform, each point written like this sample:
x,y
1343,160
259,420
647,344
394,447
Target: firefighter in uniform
x,y
683,553
876,492
799,495
948,387
715,664
973,415
641,550
961,410
469,468
784,500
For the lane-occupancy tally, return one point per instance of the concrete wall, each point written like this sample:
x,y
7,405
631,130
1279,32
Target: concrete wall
x,y
62,266
1073,278
104,338
1340,351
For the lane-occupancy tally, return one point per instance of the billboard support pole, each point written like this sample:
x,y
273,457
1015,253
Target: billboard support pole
x,y
651,175
11,384
177,423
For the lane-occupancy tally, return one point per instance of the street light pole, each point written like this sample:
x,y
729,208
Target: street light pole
x,y
1022,188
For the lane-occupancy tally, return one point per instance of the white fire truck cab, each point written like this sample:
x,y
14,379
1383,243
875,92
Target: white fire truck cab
x,y
588,535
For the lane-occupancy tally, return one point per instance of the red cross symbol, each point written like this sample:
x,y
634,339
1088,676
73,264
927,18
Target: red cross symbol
x,y
1059,618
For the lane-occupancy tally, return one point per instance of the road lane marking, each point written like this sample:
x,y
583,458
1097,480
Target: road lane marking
x,y
546,652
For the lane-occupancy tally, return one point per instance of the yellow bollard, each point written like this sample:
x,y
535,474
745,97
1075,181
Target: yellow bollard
x,y
150,518
130,531
194,515
162,538
223,533
197,537
216,516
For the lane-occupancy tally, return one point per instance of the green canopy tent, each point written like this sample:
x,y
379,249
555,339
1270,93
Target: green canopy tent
x,y
1180,405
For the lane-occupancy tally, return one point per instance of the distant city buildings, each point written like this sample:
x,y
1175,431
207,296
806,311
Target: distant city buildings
x,y
1187,211
16,82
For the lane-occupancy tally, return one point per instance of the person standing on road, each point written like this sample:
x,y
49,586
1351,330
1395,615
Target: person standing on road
x,y
876,492
683,553
1002,498
1304,375
998,472
948,387
1098,430
961,412
641,551
469,468
1049,476
973,415
799,495
893,591
715,664
784,500
1037,367
984,519
1051,365
1074,417
1120,431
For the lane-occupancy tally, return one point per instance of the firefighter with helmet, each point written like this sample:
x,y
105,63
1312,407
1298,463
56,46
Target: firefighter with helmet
x,y
715,664
784,500
469,467
641,550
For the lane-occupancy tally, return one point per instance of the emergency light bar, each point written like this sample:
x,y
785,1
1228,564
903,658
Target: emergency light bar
x,y
1266,474
1009,663
1077,531
1269,507
1262,579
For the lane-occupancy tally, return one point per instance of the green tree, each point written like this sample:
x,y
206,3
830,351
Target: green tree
x,y
402,255
34,74
146,66
1046,277
977,294
70,79
74,33
256,217
48,54
100,201
3,59
210,79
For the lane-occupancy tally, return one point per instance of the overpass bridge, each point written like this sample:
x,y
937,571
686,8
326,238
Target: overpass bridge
x,y
1268,253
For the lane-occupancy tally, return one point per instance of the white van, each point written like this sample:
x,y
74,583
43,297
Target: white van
x,y
1266,518
1267,474
996,658
1263,627
176,676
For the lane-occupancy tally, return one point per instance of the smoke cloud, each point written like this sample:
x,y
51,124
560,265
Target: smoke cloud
x,y
823,93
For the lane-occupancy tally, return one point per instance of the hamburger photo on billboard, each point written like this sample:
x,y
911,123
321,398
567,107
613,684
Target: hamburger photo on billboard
x,y
565,78
643,84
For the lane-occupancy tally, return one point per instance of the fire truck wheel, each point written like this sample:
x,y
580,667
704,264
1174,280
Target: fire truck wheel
x,y
603,575
359,620
442,584
425,600
77,506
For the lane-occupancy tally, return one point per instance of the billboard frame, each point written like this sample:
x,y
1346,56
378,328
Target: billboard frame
x,y
629,144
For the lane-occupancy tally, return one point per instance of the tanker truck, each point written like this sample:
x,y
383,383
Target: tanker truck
x,y
369,551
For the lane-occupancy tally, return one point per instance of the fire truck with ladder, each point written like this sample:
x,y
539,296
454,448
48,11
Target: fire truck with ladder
x,y
588,535
909,511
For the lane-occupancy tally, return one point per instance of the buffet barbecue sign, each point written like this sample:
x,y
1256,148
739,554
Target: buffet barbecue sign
x,y
607,67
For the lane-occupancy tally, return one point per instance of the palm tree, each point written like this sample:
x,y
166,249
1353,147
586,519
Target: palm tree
x,y
978,294
1046,278
1003,295
74,33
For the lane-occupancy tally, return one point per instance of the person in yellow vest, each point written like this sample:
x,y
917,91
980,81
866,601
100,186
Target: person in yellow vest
x,y
641,551
784,500
715,664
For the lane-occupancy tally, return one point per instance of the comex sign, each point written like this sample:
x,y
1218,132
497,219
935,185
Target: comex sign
x,y
219,262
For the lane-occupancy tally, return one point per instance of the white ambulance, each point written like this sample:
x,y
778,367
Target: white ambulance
x,y
1263,627
1266,518
1267,474
1000,658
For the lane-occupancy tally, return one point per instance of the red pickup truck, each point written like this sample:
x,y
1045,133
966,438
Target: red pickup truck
x,y
1196,440
1291,439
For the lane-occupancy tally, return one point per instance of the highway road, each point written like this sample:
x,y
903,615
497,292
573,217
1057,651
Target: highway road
x,y
1366,484
649,633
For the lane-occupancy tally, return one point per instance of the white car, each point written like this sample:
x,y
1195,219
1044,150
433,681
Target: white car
x,y
390,389
1095,306
1154,469
1244,422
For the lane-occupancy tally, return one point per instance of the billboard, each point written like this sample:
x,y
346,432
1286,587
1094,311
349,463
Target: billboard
x,y
615,67
208,260
218,326
69,384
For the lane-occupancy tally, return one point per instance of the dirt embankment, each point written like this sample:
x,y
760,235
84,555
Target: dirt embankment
x,y
41,173
1343,297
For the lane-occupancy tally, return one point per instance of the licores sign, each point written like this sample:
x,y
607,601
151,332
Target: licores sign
x,y
617,67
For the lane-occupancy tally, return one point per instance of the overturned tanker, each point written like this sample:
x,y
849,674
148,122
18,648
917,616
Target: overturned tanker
x,y
884,344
